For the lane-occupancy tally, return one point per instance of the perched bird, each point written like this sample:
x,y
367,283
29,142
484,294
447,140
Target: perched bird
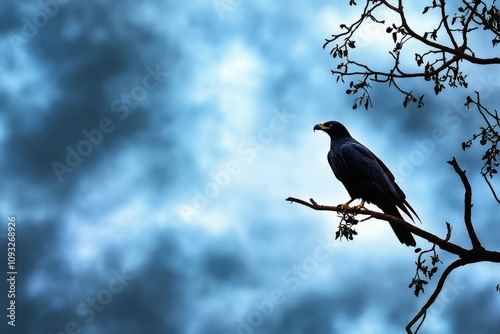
x,y
365,176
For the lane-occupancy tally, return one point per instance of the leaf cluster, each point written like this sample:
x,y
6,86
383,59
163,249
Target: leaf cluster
x,y
362,100
423,270
345,228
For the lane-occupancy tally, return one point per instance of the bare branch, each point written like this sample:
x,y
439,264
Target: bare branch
x,y
467,205
382,216
448,246
491,188
444,20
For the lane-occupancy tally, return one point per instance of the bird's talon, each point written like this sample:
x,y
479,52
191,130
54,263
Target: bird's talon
x,y
343,207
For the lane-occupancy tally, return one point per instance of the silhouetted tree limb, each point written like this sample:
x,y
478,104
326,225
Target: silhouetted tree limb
x,y
465,256
447,46
442,243
445,245
467,205
491,189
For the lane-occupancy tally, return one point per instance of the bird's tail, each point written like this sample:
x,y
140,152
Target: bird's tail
x,y
405,206
404,236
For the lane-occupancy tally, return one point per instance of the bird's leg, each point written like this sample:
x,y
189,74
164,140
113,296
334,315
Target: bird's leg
x,y
344,207
360,205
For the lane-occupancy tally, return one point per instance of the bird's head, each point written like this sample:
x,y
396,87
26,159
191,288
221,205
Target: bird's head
x,y
333,128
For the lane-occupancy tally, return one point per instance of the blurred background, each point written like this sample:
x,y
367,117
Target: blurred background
x,y
149,146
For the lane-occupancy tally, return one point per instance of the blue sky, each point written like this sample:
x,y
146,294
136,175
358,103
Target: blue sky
x,y
148,150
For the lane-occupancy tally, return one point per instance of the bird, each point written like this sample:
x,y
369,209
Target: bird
x,y
366,177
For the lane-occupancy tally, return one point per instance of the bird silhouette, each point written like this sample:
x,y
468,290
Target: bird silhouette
x,y
365,176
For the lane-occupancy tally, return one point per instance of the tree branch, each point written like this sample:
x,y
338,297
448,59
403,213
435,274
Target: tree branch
x,y
467,205
478,255
443,244
440,65
491,189
457,52
444,19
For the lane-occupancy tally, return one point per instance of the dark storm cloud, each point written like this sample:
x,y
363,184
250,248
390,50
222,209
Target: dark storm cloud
x,y
310,314
90,54
84,69
150,298
460,309
10,13
44,263
343,308
224,267
156,298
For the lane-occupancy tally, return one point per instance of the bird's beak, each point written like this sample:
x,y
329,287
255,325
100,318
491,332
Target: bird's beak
x,y
320,126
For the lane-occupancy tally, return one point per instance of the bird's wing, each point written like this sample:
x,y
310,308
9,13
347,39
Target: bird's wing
x,y
370,170
372,173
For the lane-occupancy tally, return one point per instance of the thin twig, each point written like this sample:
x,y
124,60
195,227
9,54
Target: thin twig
x,y
491,188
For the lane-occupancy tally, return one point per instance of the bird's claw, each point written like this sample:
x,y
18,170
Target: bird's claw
x,y
343,207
